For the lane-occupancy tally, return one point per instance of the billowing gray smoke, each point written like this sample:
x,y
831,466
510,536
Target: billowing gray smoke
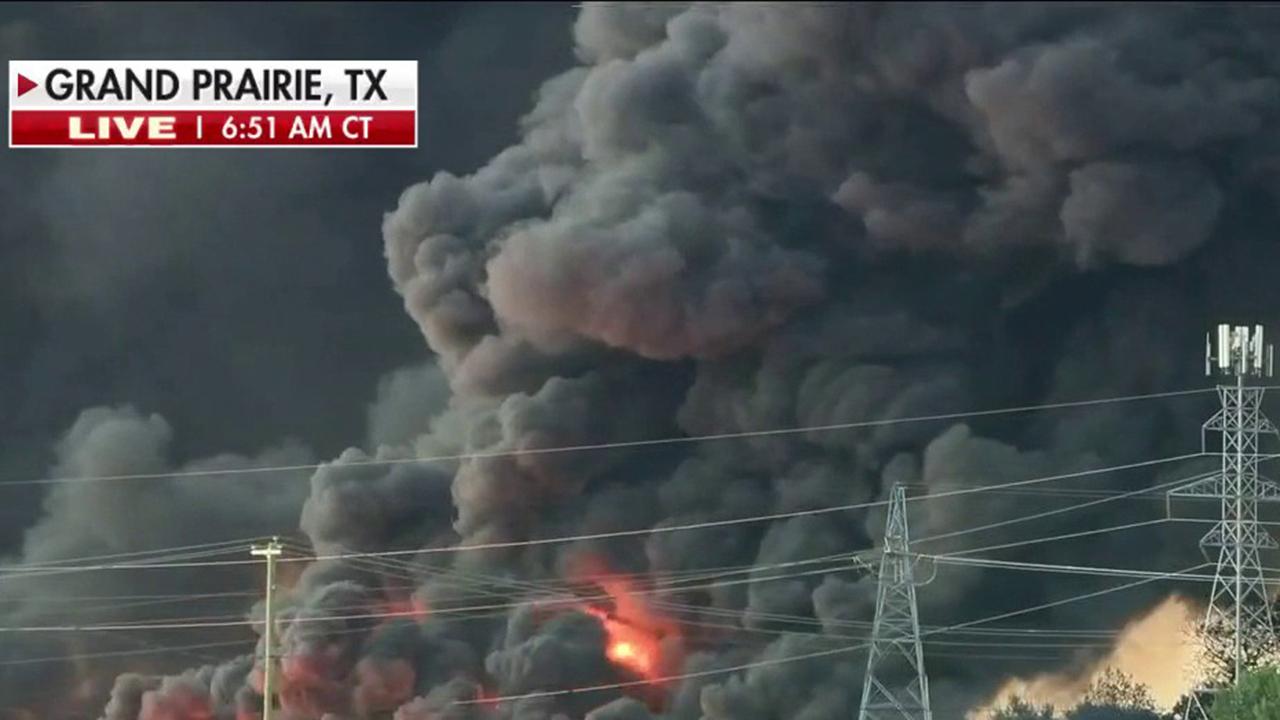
x,y
233,299
737,218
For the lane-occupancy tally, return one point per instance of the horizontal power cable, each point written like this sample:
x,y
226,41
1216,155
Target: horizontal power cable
x,y
794,658
963,490
1076,569
242,621
624,444
551,596
73,657
212,548
612,534
674,585
1064,536
1060,511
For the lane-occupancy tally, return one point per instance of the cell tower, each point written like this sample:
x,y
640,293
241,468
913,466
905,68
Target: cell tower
x,y
895,636
1239,604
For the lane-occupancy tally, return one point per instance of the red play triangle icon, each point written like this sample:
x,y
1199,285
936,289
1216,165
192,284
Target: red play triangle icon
x,y
25,84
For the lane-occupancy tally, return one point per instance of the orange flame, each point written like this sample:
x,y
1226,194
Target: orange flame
x,y
628,646
640,642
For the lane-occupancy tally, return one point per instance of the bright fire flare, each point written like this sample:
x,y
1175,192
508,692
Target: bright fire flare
x,y
634,648
639,642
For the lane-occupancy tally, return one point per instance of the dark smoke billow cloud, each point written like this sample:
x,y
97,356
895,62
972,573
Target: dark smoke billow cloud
x,y
194,311
241,296
743,217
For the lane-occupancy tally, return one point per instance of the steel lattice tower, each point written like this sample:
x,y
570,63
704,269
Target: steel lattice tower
x,y
1239,603
895,636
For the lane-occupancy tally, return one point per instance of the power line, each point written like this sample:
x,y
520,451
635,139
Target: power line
x,y
160,562
1065,569
191,598
1102,572
624,444
671,586
157,650
1063,536
613,534
125,653
681,607
934,643
214,549
1119,496
1058,511
186,625
827,570
804,656
566,596
963,490
160,558
698,674
129,598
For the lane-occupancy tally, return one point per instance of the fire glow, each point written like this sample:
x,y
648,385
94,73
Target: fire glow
x,y
638,641
311,681
179,704
628,646
408,607
486,698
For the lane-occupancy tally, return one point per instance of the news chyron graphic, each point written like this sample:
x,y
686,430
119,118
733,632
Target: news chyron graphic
x,y
188,104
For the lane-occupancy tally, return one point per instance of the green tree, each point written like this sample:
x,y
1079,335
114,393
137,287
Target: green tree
x,y
1019,709
1112,696
1115,689
1109,712
1255,697
1216,640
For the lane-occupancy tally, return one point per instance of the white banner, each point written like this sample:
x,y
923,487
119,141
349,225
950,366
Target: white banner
x,y
213,85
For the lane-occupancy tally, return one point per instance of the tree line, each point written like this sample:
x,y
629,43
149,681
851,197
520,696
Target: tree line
x,y
1115,696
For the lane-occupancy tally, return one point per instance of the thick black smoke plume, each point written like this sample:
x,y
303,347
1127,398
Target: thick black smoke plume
x,y
233,299
737,218
241,296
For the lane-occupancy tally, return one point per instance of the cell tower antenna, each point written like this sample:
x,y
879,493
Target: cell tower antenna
x,y
896,654
1239,605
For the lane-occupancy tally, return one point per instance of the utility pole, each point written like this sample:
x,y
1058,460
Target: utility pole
x,y
1239,604
895,636
270,551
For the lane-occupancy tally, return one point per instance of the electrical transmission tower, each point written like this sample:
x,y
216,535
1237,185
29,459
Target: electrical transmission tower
x,y
1239,608
896,653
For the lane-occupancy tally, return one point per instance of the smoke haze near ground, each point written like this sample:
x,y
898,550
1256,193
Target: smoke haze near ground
x,y
724,218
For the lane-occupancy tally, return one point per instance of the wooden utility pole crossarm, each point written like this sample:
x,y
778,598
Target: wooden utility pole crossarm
x,y
270,551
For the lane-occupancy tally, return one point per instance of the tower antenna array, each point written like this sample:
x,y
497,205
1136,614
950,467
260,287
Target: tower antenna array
x,y
1239,607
